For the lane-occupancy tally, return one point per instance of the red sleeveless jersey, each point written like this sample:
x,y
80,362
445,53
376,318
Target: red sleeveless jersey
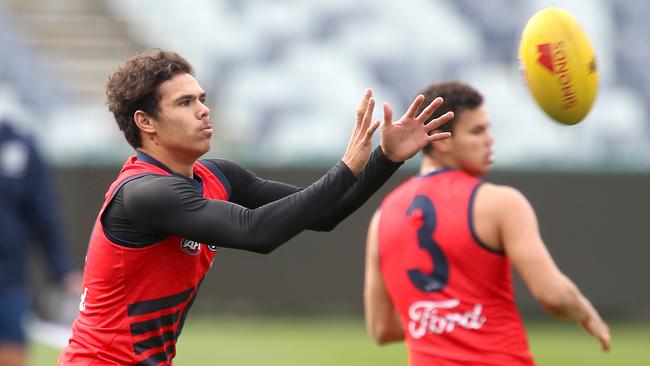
x,y
135,299
453,293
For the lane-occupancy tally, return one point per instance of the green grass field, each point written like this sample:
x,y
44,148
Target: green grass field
x,y
341,342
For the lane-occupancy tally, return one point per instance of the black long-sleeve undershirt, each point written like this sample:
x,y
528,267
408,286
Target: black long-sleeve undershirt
x,y
253,192
260,216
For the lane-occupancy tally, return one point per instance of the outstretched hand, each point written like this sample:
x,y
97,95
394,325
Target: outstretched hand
x,y
402,139
359,147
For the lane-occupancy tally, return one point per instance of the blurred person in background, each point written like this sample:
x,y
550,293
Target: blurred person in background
x,y
28,212
167,212
440,248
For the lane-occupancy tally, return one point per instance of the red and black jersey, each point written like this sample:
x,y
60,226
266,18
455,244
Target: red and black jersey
x,y
148,254
135,298
453,293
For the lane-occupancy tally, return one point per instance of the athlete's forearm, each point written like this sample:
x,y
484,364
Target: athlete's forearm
x,y
278,221
567,302
253,192
376,173
572,304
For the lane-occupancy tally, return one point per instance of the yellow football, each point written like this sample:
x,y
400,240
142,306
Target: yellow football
x,y
559,65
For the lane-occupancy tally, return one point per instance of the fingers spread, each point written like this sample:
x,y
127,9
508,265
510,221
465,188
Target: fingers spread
x,y
439,121
439,136
413,108
432,107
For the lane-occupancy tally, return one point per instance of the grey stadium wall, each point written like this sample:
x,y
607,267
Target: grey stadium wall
x,y
596,226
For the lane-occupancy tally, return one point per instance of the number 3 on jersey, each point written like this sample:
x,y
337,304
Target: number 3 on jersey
x,y
437,280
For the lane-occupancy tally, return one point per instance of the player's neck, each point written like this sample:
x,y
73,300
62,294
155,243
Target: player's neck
x,y
177,164
430,164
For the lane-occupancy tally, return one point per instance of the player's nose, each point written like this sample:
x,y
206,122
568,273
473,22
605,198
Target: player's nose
x,y
204,112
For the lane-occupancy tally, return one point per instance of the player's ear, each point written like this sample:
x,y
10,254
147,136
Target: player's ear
x,y
143,121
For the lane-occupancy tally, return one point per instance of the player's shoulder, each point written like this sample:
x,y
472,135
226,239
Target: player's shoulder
x,y
500,197
152,179
153,192
155,186
500,190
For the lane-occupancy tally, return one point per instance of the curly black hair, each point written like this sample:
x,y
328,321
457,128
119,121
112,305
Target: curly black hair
x,y
135,86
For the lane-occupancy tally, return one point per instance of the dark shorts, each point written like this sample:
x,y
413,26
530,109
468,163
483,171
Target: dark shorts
x,y
13,311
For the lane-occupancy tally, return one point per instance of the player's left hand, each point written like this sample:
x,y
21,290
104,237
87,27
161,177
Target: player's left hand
x,y
402,139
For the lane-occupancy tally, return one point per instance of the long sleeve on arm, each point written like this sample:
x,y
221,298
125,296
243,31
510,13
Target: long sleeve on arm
x,y
251,191
172,205
376,173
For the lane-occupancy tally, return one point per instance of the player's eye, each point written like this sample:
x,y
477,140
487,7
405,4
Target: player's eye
x,y
184,102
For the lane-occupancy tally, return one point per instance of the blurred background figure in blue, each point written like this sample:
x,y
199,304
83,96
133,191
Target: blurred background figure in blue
x,y
28,213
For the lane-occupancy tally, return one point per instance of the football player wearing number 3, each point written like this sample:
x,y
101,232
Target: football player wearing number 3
x,y
440,250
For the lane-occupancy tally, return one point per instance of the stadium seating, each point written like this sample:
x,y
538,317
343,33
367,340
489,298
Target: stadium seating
x,y
279,73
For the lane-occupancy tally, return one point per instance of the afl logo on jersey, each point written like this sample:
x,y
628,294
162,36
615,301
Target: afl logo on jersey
x,y
212,247
191,247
